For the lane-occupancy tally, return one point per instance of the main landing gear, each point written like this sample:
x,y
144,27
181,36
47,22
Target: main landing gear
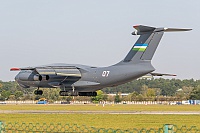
x,y
72,92
38,92
68,93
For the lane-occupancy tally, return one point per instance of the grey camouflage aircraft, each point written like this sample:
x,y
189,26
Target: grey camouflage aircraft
x,y
81,80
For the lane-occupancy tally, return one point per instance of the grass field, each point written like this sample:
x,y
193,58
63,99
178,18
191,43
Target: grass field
x,y
116,121
106,120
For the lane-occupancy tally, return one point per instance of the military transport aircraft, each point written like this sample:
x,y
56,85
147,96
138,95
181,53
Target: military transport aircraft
x,y
81,80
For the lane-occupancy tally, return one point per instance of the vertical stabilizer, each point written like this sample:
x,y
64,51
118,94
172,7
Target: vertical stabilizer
x,y
146,45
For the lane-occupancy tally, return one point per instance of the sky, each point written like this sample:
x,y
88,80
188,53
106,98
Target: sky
x,y
96,33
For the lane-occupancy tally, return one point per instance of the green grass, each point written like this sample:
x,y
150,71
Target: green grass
x,y
93,107
116,121
106,120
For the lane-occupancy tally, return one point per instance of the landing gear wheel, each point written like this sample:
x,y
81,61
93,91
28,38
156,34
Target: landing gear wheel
x,y
64,93
38,92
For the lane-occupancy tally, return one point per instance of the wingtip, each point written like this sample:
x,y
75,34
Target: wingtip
x,y
14,69
136,26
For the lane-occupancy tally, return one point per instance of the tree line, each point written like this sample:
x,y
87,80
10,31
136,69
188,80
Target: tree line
x,y
138,90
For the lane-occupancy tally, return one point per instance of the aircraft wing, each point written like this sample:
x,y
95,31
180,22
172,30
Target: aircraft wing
x,y
41,67
19,69
53,70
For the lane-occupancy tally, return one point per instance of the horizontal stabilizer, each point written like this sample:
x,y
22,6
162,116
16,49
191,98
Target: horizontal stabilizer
x,y
141,29
175,29
151,75
162,74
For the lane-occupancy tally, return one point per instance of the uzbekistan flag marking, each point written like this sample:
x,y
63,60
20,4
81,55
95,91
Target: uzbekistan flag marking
x,y
140,47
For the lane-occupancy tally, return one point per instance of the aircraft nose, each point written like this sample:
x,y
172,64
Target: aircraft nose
x,y
17,77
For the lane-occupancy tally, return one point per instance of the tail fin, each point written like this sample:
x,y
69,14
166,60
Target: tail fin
x,y
146,45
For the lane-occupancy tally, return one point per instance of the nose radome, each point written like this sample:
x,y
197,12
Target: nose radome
x,y
17,77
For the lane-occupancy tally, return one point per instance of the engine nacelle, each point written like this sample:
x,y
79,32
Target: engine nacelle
x,y
32,77
36,77
25,76
43,77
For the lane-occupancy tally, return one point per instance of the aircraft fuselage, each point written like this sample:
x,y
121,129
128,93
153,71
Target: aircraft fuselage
x,y
91,79
85,80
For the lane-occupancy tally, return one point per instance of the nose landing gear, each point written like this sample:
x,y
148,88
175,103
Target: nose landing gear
x,y
38,92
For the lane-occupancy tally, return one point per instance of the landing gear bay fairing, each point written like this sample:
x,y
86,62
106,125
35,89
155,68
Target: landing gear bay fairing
x,y
81,80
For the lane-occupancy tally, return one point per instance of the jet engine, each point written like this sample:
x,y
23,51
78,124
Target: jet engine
x,y
43,77
32,77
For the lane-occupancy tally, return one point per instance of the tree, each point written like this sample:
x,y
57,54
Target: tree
x,y
1,86
195,94
134,96
151,94
157,91
140,97
69,98
110,98
179,95
144,90
26,97
37,97
12,97
5,94
2,98
187,91
117,98
166,89
82,98
18,95
99,96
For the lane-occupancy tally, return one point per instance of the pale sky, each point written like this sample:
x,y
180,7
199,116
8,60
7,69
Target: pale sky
x,y
96,33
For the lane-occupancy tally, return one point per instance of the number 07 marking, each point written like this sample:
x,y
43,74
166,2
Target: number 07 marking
x,y
105,73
